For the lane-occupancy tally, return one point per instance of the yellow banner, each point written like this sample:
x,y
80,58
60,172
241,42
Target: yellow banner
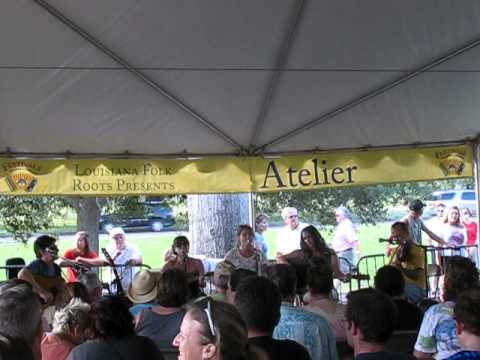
x,y
229,174
362,168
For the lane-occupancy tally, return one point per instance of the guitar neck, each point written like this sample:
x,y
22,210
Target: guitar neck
x,y
118,281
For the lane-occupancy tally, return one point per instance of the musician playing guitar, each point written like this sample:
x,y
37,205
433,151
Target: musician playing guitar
x,y
43,270
121,252
409,258
312,245
179,259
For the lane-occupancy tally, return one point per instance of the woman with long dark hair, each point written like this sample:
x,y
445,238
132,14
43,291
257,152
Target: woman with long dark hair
x,y
81,249
312,245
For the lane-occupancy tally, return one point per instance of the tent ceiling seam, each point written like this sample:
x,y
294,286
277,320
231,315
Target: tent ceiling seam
x,y
237,69
368,96
280,62
144,78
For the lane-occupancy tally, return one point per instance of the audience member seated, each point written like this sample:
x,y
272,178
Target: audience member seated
x,y
142,291
236,277
425,304
467,319
244,255
162,322
221,277
312,245
258,300
320,285
370,320
390,281
77,290
14,349
71,327
20,314
115,335
93,285
307,328
214,330
179,259
437,336
409,258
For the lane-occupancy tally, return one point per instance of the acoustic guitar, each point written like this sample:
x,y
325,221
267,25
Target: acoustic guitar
x,y
55,286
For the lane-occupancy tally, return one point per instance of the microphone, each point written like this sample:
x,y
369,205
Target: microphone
x,y
382,240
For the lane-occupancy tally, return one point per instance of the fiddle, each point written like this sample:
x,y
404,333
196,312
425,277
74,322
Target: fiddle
x,y
403,251
403,248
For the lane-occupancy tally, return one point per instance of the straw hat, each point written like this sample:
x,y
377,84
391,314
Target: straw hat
x,y
143,287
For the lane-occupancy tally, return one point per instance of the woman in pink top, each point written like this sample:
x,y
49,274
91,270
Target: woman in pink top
x,y
71,327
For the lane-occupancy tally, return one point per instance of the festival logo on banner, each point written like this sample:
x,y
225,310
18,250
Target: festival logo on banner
x,y
452,162
21,175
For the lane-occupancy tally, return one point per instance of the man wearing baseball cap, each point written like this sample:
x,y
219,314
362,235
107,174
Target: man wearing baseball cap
x,y
416,225
122,253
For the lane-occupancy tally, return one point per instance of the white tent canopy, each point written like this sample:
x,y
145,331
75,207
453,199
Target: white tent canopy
x,y
229,77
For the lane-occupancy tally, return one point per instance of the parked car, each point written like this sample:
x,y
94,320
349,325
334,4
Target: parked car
x,y
156,217
462,198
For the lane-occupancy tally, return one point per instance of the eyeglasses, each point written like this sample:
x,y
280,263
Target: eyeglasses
x,y
293,216
208,311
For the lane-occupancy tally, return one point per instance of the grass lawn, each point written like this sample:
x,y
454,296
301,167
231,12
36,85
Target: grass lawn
x,y
154,247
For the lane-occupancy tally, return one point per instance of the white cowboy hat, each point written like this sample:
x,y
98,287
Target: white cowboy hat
x,y
143,288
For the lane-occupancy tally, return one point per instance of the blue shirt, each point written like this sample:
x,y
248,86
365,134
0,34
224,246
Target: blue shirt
x,y
261,244
473,355
135,309
309,329
437,333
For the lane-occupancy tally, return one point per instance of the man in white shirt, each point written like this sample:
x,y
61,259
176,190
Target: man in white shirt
x,y
345,239
288,238
122,253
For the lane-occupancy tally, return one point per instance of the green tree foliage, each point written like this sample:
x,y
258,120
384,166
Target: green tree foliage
x,y
119,207
23,216
369,204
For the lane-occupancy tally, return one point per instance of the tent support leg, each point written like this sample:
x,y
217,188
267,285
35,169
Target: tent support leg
x,y
476,174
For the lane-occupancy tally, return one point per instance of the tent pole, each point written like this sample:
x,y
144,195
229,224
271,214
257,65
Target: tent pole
x,y
476,174
251,210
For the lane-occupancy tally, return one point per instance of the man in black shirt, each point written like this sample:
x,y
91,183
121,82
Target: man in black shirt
x,y
258,300
390,281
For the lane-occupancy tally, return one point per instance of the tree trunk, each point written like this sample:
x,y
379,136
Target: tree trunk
x,y
88,216
213,221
